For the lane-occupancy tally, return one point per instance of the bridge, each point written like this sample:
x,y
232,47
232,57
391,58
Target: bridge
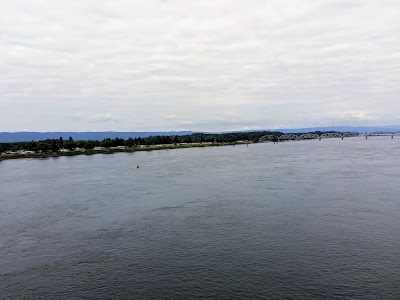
x,y
391,134
322,135
307,136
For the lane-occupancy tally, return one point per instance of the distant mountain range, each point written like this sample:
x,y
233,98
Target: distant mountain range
x,y
24,136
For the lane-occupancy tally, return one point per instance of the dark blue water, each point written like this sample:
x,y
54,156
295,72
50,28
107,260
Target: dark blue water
x,y
299,220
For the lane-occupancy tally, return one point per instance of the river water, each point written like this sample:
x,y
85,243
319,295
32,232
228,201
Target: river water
x,y
298,220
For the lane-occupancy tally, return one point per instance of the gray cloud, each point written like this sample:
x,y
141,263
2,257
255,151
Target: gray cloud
x,y
200,65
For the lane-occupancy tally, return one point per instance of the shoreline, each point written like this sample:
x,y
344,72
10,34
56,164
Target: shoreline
x,y
111,151
43,155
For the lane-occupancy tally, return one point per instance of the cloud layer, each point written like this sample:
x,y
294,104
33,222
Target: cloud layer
x,y
197,65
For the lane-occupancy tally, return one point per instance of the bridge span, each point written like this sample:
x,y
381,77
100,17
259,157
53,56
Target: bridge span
x,y
382,134
319,136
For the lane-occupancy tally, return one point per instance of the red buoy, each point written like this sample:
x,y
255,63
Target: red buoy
x,y
137,166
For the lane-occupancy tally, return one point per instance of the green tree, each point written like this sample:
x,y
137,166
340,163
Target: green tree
x,y
41,146
130,142
119,142
80,144
54,146
106,144
188,139
31,146
89,145
70,145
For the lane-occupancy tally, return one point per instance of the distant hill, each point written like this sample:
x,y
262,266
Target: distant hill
x,y
25,136
359,129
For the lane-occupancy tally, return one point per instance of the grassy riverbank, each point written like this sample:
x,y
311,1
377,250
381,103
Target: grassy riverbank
x,y
110,151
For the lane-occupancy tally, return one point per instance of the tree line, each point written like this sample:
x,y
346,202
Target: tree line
x,y
55,145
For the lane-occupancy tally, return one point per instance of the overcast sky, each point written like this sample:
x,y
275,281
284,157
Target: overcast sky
x,y
144,65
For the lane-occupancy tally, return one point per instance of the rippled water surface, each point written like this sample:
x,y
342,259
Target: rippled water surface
x,y
299,220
